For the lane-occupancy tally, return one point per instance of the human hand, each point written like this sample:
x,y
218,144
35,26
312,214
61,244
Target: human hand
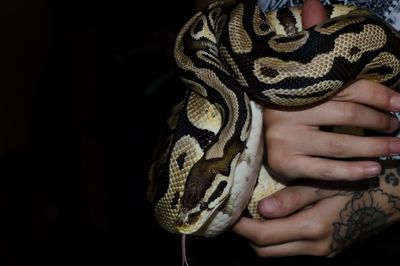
x,y
298,148
309,221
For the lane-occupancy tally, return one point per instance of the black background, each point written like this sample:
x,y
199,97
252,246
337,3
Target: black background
x,y
84,91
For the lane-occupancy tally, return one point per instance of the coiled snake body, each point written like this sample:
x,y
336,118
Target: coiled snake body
x,y
234,58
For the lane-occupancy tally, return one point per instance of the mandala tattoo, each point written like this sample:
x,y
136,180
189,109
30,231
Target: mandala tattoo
x,y
363,216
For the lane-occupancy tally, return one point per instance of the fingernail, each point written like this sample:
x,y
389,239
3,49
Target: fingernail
x,y
372,170
395,101
394,147
394,124
269,205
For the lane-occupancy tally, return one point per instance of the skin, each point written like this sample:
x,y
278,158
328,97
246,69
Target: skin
x,y
312,153
307,220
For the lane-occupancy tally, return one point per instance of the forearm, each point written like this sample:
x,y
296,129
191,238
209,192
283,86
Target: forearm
x,y
366,212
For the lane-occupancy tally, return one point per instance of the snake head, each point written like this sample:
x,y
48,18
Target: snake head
x,y
201,201
192,186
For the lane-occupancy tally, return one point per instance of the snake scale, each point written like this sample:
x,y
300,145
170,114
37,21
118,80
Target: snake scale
x,y
234,58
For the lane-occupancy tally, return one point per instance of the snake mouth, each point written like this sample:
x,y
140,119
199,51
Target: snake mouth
x,y
187,221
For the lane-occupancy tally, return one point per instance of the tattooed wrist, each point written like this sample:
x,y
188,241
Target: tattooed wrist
x,y
365,214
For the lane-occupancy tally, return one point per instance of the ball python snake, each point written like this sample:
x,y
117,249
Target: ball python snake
x,y
234,58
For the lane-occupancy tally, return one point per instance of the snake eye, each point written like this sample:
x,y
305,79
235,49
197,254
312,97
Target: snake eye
x,y
213,200
203,206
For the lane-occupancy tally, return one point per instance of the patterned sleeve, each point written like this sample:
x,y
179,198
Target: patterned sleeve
x,y
386,9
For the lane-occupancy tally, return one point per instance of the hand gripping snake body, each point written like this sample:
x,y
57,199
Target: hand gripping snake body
x,y
234,58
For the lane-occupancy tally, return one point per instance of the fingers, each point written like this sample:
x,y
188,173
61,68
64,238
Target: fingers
x,y
284,230
356,115
337,145
310,153
351,107
324,228
309,224
324,169
334,113
290,199
306,232
311,248
298,148
372,94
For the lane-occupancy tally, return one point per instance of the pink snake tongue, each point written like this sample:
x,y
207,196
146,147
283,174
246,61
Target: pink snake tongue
x,y
183,245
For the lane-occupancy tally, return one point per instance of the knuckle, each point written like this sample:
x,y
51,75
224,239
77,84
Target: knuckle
x,y
322,249
379,94
277,161
349,111
336,146
260,252
349,91
284,167
295,196
260,239
274,134
370,91
317,231
327,173
363,85
273,117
